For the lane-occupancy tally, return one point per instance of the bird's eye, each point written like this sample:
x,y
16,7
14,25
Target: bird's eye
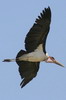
x,y
52,57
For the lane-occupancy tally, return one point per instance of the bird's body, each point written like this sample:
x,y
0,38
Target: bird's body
x,y
35,41
36,56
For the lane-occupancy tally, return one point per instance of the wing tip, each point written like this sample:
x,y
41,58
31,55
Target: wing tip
x,y
25,82
22,84
46,13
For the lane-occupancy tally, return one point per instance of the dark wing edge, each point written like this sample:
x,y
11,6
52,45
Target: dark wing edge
x,y
39,31
30,72
27,70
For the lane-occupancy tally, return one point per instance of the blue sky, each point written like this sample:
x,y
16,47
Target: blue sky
x,y
16,18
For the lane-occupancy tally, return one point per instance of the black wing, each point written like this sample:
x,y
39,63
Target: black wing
x,y
38,33
27,70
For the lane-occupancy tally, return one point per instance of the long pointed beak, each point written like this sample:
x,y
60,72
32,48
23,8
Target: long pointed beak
x,y
56,62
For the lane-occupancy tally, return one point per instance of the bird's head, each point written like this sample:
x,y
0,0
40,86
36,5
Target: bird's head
x,y
52,60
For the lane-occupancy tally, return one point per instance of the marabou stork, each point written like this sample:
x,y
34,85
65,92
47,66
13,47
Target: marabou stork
x,y
35,52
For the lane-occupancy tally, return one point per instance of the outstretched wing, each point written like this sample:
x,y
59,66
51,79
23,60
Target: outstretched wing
x,y
27,70
36,36
38,33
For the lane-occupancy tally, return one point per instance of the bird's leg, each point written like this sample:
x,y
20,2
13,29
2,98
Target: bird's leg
x,y
9,60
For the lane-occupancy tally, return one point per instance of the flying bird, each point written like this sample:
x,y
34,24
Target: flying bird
x,y
35,42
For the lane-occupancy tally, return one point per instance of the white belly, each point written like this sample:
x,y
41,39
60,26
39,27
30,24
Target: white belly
x,y
36,56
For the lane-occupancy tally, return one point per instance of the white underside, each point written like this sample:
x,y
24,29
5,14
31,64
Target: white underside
x,y
36,56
